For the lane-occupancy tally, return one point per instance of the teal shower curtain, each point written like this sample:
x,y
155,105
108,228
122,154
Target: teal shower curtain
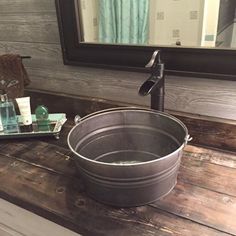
x,y
124,21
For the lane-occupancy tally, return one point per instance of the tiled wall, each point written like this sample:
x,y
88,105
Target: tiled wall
x,y
176,20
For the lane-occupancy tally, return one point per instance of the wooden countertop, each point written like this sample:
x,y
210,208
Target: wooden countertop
x,y
39,175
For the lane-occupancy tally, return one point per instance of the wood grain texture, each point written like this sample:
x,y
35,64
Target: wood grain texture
x,y
201,205
201,164
43,55
29,27
62,199
117,87
202,96
226,159
41,155
206,131
27,6
41,176
44,180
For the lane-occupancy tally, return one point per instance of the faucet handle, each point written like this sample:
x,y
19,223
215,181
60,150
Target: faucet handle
x,y
155,56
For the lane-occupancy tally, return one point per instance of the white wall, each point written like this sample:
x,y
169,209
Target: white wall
x,y
210,23
16,221
89,10
176,20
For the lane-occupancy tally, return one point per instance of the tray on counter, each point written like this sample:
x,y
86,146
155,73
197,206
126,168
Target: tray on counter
x,y
56,122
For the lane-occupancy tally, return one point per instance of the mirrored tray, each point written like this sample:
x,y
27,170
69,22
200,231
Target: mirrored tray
x,y
56,122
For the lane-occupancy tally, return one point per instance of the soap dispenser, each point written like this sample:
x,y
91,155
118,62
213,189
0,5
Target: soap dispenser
x,y
8,115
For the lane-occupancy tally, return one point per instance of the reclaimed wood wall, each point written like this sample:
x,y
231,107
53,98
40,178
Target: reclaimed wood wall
x,y
29,28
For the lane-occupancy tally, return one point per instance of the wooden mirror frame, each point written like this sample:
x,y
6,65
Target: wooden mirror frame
x,y
196,62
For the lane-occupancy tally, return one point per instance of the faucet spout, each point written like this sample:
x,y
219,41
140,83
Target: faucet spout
x,y
150,85
154,85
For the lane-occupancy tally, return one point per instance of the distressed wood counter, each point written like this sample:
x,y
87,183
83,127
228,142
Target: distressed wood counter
x,y
40,175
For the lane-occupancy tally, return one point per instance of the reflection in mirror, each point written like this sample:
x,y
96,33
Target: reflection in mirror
x,y
190,23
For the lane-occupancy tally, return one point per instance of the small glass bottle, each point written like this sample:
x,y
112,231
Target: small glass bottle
x,y
1,126
8,115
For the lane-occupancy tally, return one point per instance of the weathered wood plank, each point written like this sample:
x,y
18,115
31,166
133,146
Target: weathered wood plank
x,y
202,96
195,168
201,205
190,95
199,166
206,175
227,159
218,133
122,88
27,6
43,55
195,203
62,199
41,154
207,132
29,27
70,105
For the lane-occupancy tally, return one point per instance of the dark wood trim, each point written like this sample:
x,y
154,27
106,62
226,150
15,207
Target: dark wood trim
x,y
206,131
199,62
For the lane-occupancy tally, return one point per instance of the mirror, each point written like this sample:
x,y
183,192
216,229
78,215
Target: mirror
x,y
190,23
193,46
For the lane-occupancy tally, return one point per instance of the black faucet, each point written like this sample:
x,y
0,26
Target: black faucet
x,y
155,84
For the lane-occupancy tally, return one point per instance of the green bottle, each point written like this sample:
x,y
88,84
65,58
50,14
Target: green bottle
x,y
41,113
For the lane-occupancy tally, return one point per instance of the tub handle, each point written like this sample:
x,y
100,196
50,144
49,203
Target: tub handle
x,y
77,119
188,139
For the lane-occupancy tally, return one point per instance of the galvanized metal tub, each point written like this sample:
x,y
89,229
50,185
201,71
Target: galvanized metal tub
x,y
128,156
